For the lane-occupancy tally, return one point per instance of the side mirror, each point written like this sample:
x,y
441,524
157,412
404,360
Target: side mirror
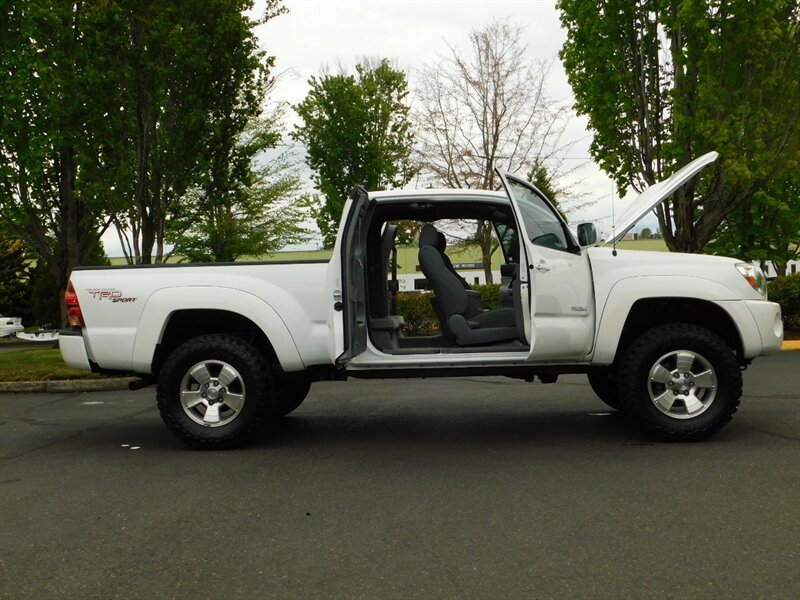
x,y
587,234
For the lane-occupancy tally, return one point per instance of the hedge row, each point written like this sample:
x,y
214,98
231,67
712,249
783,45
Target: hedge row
x,y
786,292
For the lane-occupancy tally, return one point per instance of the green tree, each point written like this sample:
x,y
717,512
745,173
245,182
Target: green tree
x,y
663,81
112,110
242,209
356,131
191,78
646,234
544,180
52,71
764,227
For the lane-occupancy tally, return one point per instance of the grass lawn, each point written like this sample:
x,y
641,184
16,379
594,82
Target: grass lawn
x,y
38,365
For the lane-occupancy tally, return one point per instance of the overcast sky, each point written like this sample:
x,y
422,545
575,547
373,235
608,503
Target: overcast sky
x,y
410,33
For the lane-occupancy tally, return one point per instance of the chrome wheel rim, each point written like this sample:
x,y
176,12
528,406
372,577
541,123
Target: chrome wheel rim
x,y
212,393
682,384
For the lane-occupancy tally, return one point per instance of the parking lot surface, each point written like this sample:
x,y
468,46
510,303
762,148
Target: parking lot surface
x,y
441,488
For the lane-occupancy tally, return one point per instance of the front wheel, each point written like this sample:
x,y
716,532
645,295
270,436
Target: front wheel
x,y
680,381
214,391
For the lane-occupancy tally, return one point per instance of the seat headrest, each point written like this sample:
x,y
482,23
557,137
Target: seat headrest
x,y
428,236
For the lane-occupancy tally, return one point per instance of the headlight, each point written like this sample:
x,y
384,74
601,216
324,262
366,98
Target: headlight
x,y
754,277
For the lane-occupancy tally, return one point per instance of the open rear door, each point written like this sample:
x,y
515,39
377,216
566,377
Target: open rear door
x,y
346,282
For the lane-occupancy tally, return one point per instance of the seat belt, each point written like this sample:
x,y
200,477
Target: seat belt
x,y
393,285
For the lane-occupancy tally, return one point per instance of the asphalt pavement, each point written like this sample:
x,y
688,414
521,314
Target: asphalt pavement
x,y
442,488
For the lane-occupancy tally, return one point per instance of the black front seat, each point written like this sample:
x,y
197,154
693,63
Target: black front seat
x,y
460,308
441,246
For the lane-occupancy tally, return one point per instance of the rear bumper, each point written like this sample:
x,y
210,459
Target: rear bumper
x,y
73,349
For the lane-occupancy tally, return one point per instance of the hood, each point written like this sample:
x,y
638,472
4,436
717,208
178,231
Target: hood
x,y
655,195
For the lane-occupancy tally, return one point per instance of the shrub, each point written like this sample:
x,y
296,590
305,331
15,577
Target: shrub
x,y
786,292
14,280
490,295
416,310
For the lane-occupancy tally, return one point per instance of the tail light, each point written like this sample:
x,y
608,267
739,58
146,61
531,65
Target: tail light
x,y
74,315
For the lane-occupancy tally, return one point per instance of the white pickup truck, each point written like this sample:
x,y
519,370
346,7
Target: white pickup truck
x,y
663,337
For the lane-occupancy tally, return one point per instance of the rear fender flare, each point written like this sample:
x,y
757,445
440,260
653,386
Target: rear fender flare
x,y
165,302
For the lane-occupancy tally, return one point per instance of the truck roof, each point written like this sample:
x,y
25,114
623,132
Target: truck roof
x,y
461,195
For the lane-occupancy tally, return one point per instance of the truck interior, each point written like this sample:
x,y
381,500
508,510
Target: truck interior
x,y
464,325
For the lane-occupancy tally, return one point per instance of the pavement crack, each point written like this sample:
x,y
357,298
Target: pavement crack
x,y
42,447
38,422
117,420
773,434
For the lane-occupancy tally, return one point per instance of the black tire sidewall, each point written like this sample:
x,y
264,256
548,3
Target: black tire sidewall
x,y
604,387
255,373
289,395
643,354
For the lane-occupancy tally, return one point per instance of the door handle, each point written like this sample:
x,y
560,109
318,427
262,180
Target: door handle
x,y
542,266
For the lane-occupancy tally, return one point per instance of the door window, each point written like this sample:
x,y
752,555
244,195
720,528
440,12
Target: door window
x,y
541,223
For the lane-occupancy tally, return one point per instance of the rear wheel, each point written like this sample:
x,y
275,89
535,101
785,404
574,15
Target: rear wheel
x,y
214,391
681,382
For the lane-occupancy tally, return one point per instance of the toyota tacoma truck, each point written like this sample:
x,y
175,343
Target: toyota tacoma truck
x,y
662,337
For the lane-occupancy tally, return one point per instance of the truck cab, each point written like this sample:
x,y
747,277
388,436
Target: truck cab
x,y
547,295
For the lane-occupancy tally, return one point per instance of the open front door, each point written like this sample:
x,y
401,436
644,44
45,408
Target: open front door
x,y
346,283
555,278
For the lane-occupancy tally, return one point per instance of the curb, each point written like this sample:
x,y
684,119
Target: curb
x,y
66,385
790,345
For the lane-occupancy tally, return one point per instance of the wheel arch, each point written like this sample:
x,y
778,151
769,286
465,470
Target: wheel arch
x,y
163,327
647,313
183,325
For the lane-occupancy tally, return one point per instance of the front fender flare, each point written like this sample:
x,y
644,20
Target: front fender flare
x,y
626,292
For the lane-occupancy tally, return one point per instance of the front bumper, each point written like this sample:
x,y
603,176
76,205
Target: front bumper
x,y
767,316
73,349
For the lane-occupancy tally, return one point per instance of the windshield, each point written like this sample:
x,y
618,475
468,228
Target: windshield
x,y
542,225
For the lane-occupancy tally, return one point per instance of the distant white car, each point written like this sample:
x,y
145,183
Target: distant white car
x,y
43,335
10,326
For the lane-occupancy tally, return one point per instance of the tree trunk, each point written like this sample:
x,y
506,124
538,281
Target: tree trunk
x,y
484,238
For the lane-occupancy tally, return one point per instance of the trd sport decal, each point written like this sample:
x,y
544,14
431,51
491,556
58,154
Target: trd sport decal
x,y
111,295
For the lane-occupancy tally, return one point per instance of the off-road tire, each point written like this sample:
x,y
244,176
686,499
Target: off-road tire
x,y
254,380
289,395
604,386
636,380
